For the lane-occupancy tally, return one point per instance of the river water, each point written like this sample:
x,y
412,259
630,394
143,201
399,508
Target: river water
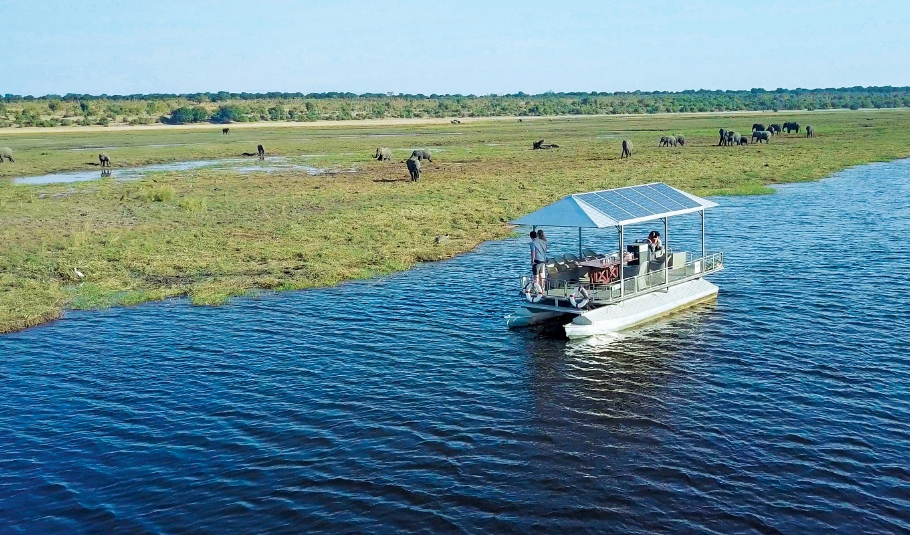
x,y
402,404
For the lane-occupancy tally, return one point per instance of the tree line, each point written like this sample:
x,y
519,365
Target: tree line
x,y
226,107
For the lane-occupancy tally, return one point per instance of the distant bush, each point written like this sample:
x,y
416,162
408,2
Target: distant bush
x,y
277,113
228,114
184,115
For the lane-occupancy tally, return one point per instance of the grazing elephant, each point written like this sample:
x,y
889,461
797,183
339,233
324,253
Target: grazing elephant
x,y
791,126
421,154
261,150
225,131
774,129
414,168
626,149
761,135
105,161
6,152
681,141
383,153
810,130
758,126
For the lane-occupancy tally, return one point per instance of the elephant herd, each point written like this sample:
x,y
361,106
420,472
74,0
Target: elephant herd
x,y
672,141
413,163
761,133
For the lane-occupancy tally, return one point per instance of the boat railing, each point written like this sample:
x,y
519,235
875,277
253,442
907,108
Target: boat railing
x,y
654,280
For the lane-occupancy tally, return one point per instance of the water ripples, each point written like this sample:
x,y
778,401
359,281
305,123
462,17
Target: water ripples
x,y
403,404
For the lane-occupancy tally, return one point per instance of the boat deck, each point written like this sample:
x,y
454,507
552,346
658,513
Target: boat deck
x,y
556,295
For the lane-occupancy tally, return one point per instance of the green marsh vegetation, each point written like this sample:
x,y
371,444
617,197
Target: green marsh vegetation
x,y
213,233
225,107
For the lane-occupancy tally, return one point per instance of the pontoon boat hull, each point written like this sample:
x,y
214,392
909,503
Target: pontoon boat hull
x,y
637,310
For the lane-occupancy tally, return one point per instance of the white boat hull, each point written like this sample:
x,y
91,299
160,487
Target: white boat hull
x,y
637,310
524,318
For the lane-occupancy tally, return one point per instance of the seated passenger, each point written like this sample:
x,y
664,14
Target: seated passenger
x,y
654,244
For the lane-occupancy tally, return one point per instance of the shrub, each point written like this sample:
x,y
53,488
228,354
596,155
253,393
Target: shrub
x,y
227,114
186,114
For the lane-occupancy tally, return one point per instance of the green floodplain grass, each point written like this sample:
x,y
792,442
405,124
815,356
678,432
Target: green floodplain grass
x,y
211,234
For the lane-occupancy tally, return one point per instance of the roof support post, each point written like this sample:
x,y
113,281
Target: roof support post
x,y
622,266
579,244
704,250
666,251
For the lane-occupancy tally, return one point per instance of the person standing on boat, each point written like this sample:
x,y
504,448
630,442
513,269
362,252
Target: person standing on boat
x,y
539,257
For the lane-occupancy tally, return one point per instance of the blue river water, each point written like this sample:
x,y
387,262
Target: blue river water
x,y
402,404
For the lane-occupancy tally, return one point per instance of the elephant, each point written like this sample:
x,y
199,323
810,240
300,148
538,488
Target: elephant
x,y
681,141
455,121
383,153
664,141
734,138
626,149
421,154
758,126
810,130
6,152
723,137
774,129
105,161
761,135
743,140
225,131
261,150
414,168
791,126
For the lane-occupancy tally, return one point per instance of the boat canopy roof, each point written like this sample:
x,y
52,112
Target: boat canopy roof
x,y
615,207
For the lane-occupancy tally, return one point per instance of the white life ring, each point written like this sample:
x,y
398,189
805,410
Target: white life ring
x,y
533,292
583,293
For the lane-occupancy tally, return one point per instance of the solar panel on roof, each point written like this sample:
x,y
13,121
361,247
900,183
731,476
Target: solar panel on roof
x,y
675,196
635,195
606,207
616,198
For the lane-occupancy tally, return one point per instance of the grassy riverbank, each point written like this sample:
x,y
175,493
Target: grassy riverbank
x,y
212,234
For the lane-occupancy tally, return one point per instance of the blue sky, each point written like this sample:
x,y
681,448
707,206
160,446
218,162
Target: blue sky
x,y
448,47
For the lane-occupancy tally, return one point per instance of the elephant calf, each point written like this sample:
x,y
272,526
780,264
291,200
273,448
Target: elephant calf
x,y
414,168
261,151
810,130
6,152
383,153
105,160
225,131
626,149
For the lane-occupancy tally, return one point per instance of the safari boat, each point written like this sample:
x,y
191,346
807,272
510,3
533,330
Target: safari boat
x,y
608,292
